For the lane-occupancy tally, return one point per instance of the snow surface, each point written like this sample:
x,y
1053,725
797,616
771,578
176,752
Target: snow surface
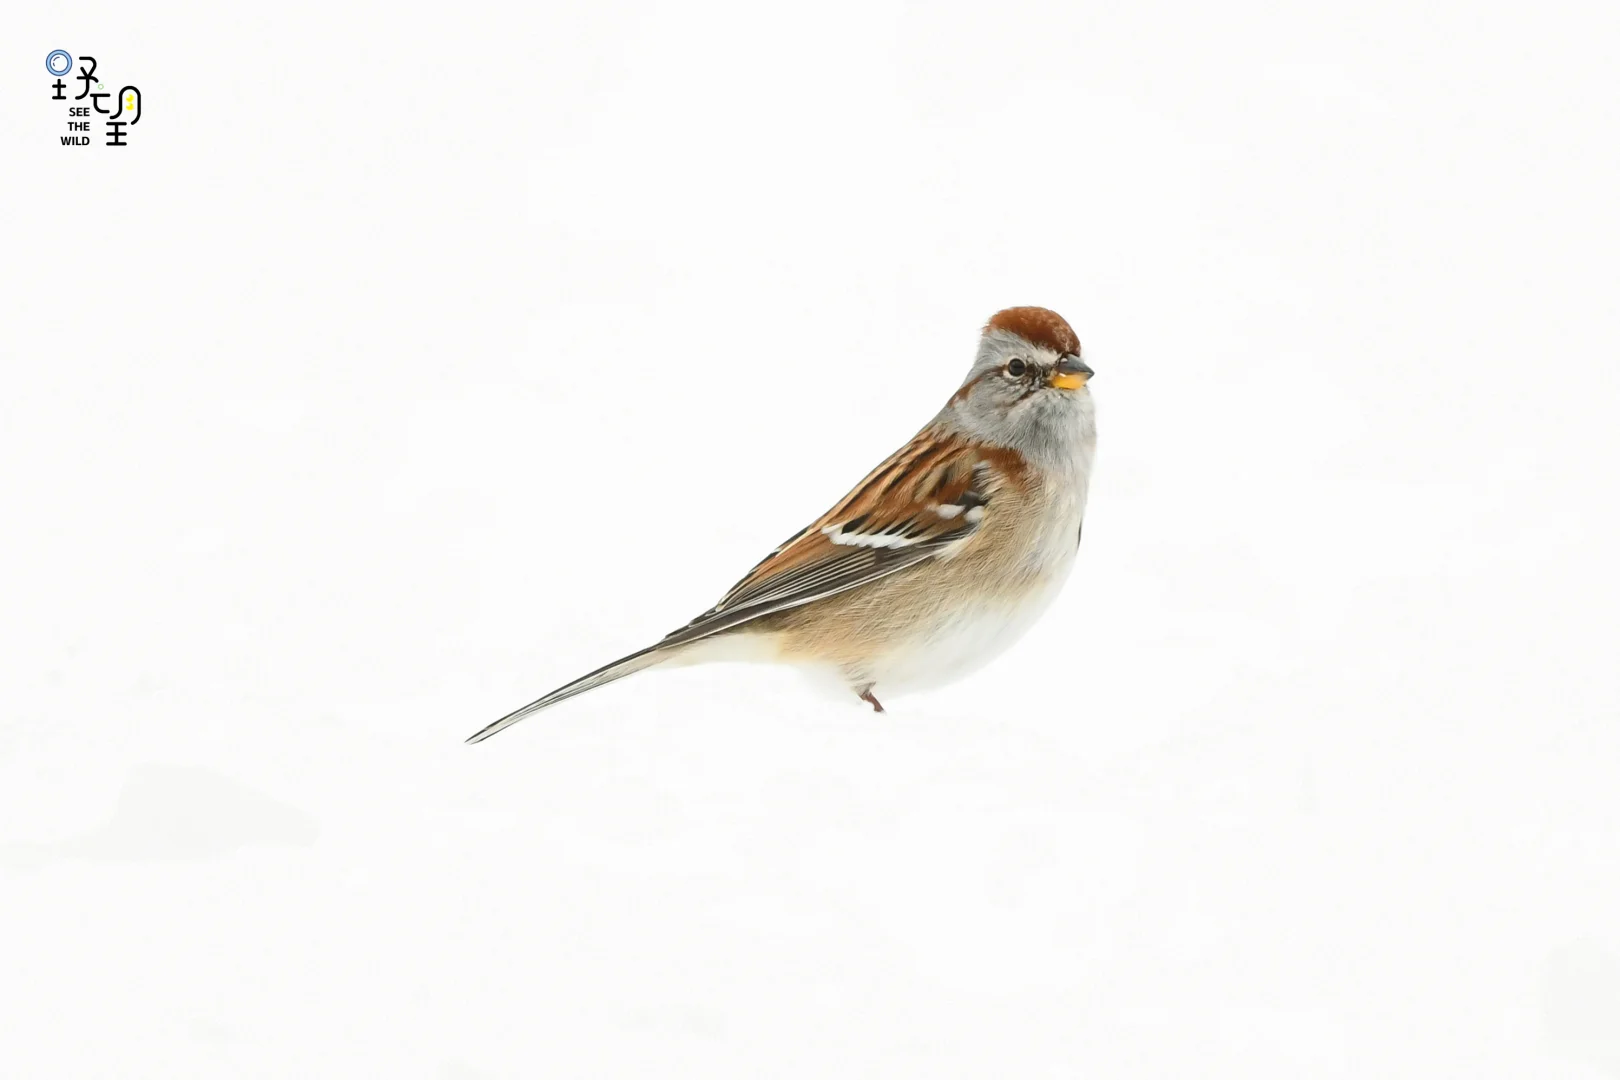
x,y
405,366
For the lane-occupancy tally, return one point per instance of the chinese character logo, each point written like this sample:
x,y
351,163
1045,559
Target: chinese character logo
x,y
124,112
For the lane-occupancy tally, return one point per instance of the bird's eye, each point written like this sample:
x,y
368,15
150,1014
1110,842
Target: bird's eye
x,y
1015,367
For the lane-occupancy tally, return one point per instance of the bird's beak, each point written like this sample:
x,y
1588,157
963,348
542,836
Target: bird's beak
x,y
1070,374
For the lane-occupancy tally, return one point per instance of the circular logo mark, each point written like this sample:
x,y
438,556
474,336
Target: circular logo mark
x,y
58,62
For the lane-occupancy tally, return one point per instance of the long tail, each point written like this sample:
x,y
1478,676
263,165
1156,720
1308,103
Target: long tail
x,y
627,665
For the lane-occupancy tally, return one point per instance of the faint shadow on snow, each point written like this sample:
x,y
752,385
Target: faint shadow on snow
x,y
459,1070
1580,1004
176,813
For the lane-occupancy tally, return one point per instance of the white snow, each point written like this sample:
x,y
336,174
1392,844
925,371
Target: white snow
x,y
404,367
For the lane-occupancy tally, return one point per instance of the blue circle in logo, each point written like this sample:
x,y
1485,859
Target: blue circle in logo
x,y
50,62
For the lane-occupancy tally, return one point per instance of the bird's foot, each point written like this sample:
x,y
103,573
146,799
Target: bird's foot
x,y
866,696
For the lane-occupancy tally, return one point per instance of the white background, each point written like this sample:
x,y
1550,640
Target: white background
x,y
404,367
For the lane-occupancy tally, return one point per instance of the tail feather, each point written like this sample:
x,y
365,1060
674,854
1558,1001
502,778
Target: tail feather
x,y
628,665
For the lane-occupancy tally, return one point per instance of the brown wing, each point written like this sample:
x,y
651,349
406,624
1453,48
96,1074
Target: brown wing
x,y
930,496
925,499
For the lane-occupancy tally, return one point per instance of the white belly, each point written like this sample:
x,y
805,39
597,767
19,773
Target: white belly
x,y
983,629
968,640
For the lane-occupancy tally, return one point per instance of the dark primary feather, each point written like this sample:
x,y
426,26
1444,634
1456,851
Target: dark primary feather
x,y
813,581
808,583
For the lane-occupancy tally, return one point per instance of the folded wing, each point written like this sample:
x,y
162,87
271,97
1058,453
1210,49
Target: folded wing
x,y
921,503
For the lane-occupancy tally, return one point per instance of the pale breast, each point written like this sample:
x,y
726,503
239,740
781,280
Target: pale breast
x,y
988,614
949,616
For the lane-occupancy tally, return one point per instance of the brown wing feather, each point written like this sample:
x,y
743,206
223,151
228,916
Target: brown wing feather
x,y
928,496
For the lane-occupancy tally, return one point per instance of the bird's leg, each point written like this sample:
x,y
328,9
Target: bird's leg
x,y
866,696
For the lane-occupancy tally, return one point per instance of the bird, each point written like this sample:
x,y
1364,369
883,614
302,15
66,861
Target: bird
x,y
937,561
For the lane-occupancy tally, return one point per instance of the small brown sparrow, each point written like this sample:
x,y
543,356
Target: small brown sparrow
x,y
940,559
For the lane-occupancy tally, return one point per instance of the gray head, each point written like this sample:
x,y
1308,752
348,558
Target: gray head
x,y
1027,387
